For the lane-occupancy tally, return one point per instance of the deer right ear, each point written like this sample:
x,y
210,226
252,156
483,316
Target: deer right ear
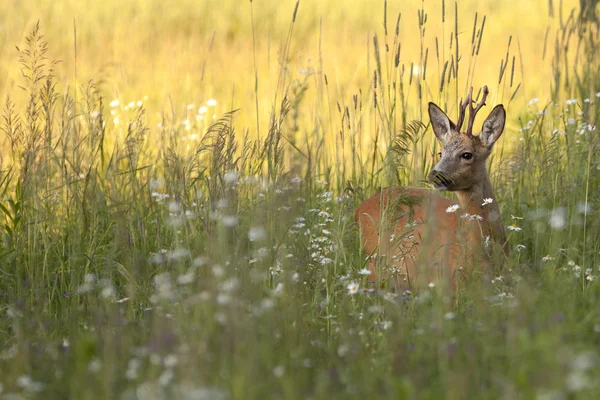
x,y
441,124
493,126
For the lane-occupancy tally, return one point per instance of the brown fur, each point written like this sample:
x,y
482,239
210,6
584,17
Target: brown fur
x,y
416,241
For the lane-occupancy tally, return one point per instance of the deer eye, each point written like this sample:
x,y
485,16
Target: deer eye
x,y
467,156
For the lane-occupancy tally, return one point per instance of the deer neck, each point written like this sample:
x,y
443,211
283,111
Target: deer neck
x,y
471,201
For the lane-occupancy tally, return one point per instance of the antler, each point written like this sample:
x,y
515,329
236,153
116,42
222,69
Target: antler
x,y
473,111
462,110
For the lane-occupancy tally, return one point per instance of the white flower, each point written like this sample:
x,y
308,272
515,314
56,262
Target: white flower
x,y
515,228
584,208
95,365
89,281
520,247
229,220
324,213
166,377
160,196
108,292
557,218
452,208
375,309
547,258
114,103
431,285
571,101
489,200
279,371
472,217
257,233
171,360
533,101
590,277
352,288
211,102
186,278
174,207
513,217
365,271
28,384
231,177
475,217
275,270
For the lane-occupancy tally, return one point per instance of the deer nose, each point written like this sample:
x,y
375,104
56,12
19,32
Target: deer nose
x,y
439,178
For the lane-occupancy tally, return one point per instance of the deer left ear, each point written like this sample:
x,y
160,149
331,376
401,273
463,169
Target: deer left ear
x,y
493,126
441,124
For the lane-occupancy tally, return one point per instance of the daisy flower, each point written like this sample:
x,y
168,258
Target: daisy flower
x,y
452,208
352,288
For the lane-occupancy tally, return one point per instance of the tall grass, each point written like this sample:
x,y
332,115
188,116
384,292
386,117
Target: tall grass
x,y
204,260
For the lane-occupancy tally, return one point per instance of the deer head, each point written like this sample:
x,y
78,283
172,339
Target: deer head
x,y
463,155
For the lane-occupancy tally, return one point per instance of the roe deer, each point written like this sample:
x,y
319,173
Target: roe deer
x,y
417,235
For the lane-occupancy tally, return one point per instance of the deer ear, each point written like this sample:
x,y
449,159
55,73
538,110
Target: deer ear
x,y
493,126
441,124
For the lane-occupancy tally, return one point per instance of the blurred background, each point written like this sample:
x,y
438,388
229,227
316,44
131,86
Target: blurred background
x,y
175,54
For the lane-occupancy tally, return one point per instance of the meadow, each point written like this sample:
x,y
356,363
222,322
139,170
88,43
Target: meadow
x,y
178,186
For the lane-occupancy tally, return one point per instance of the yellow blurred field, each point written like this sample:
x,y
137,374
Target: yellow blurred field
x,y
175,54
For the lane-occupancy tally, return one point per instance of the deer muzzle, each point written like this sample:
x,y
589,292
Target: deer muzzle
x,y
440,180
